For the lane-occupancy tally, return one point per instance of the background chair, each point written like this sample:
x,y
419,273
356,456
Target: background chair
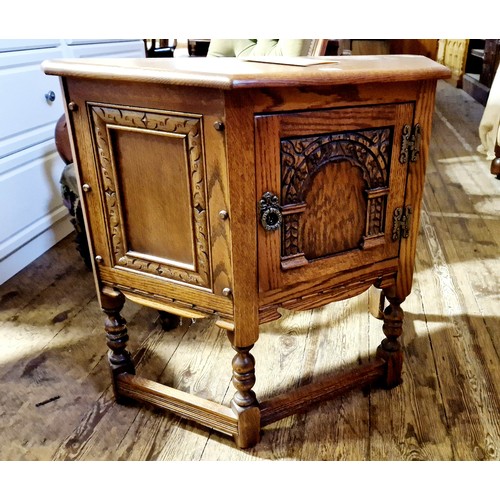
x,y
69,189
266,47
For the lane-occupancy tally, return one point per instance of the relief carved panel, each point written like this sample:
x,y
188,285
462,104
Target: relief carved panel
x,y
302,158
187,128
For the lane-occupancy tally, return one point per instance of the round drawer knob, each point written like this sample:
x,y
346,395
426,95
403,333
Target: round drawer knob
x,y
86,188
50,96
98,259
223,215
226,292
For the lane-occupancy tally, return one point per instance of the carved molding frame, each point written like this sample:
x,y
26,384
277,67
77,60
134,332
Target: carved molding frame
x,y
302,157
189,128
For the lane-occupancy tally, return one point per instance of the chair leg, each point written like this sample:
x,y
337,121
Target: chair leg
x,y
169,321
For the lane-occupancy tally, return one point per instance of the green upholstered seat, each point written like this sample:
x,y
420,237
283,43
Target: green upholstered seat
x,y
260,47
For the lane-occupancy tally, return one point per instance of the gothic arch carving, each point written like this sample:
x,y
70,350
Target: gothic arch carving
x,y
303,157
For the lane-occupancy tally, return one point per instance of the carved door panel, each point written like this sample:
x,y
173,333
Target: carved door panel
x,y
153,198
330,183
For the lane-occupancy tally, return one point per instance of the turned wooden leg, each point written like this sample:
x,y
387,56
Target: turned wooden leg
x,y
115,325
169,321
244,402
390,349
495,165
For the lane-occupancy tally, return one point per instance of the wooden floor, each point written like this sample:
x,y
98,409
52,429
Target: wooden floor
x,y
56,402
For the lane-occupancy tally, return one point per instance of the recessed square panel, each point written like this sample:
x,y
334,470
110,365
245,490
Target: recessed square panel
x,y
155,194
153,180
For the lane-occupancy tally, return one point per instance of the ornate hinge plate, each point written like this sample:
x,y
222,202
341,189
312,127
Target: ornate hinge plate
x,y
410,143
401,223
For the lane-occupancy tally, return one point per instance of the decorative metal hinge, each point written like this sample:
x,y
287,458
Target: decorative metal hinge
x,y
410,143
401,223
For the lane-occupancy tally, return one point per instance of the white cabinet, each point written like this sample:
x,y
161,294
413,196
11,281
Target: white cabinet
x,y
28,117
32,216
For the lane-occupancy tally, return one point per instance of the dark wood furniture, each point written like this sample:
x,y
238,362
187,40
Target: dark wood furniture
x,y
160,47
427,47
232,188
495,164
483,57
198,47
69,189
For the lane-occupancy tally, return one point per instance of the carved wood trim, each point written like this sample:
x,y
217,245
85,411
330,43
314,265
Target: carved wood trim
x,y
188,128
175,306
328,294
302,157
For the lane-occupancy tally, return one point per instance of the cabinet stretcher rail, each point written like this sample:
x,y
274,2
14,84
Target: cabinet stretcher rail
x,y
222,418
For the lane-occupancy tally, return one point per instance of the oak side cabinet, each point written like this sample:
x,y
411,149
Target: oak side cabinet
x,y
233,188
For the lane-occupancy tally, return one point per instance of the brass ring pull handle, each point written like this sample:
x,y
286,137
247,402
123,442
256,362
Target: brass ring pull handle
x,y
270,212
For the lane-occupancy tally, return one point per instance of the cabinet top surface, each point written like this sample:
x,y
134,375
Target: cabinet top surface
x,y
232,73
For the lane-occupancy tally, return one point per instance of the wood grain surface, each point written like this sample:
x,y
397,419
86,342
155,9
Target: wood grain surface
x,y
230,72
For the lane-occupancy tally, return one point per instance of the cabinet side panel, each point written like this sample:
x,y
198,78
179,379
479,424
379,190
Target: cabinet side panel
x,y
152,188
153,163
424,109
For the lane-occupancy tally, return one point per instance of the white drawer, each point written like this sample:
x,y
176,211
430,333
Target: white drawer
x,y
28,118
86,41
133,48
19,44
30,195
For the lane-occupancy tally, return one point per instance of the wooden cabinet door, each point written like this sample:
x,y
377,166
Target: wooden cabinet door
x,y
330,183
151,216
